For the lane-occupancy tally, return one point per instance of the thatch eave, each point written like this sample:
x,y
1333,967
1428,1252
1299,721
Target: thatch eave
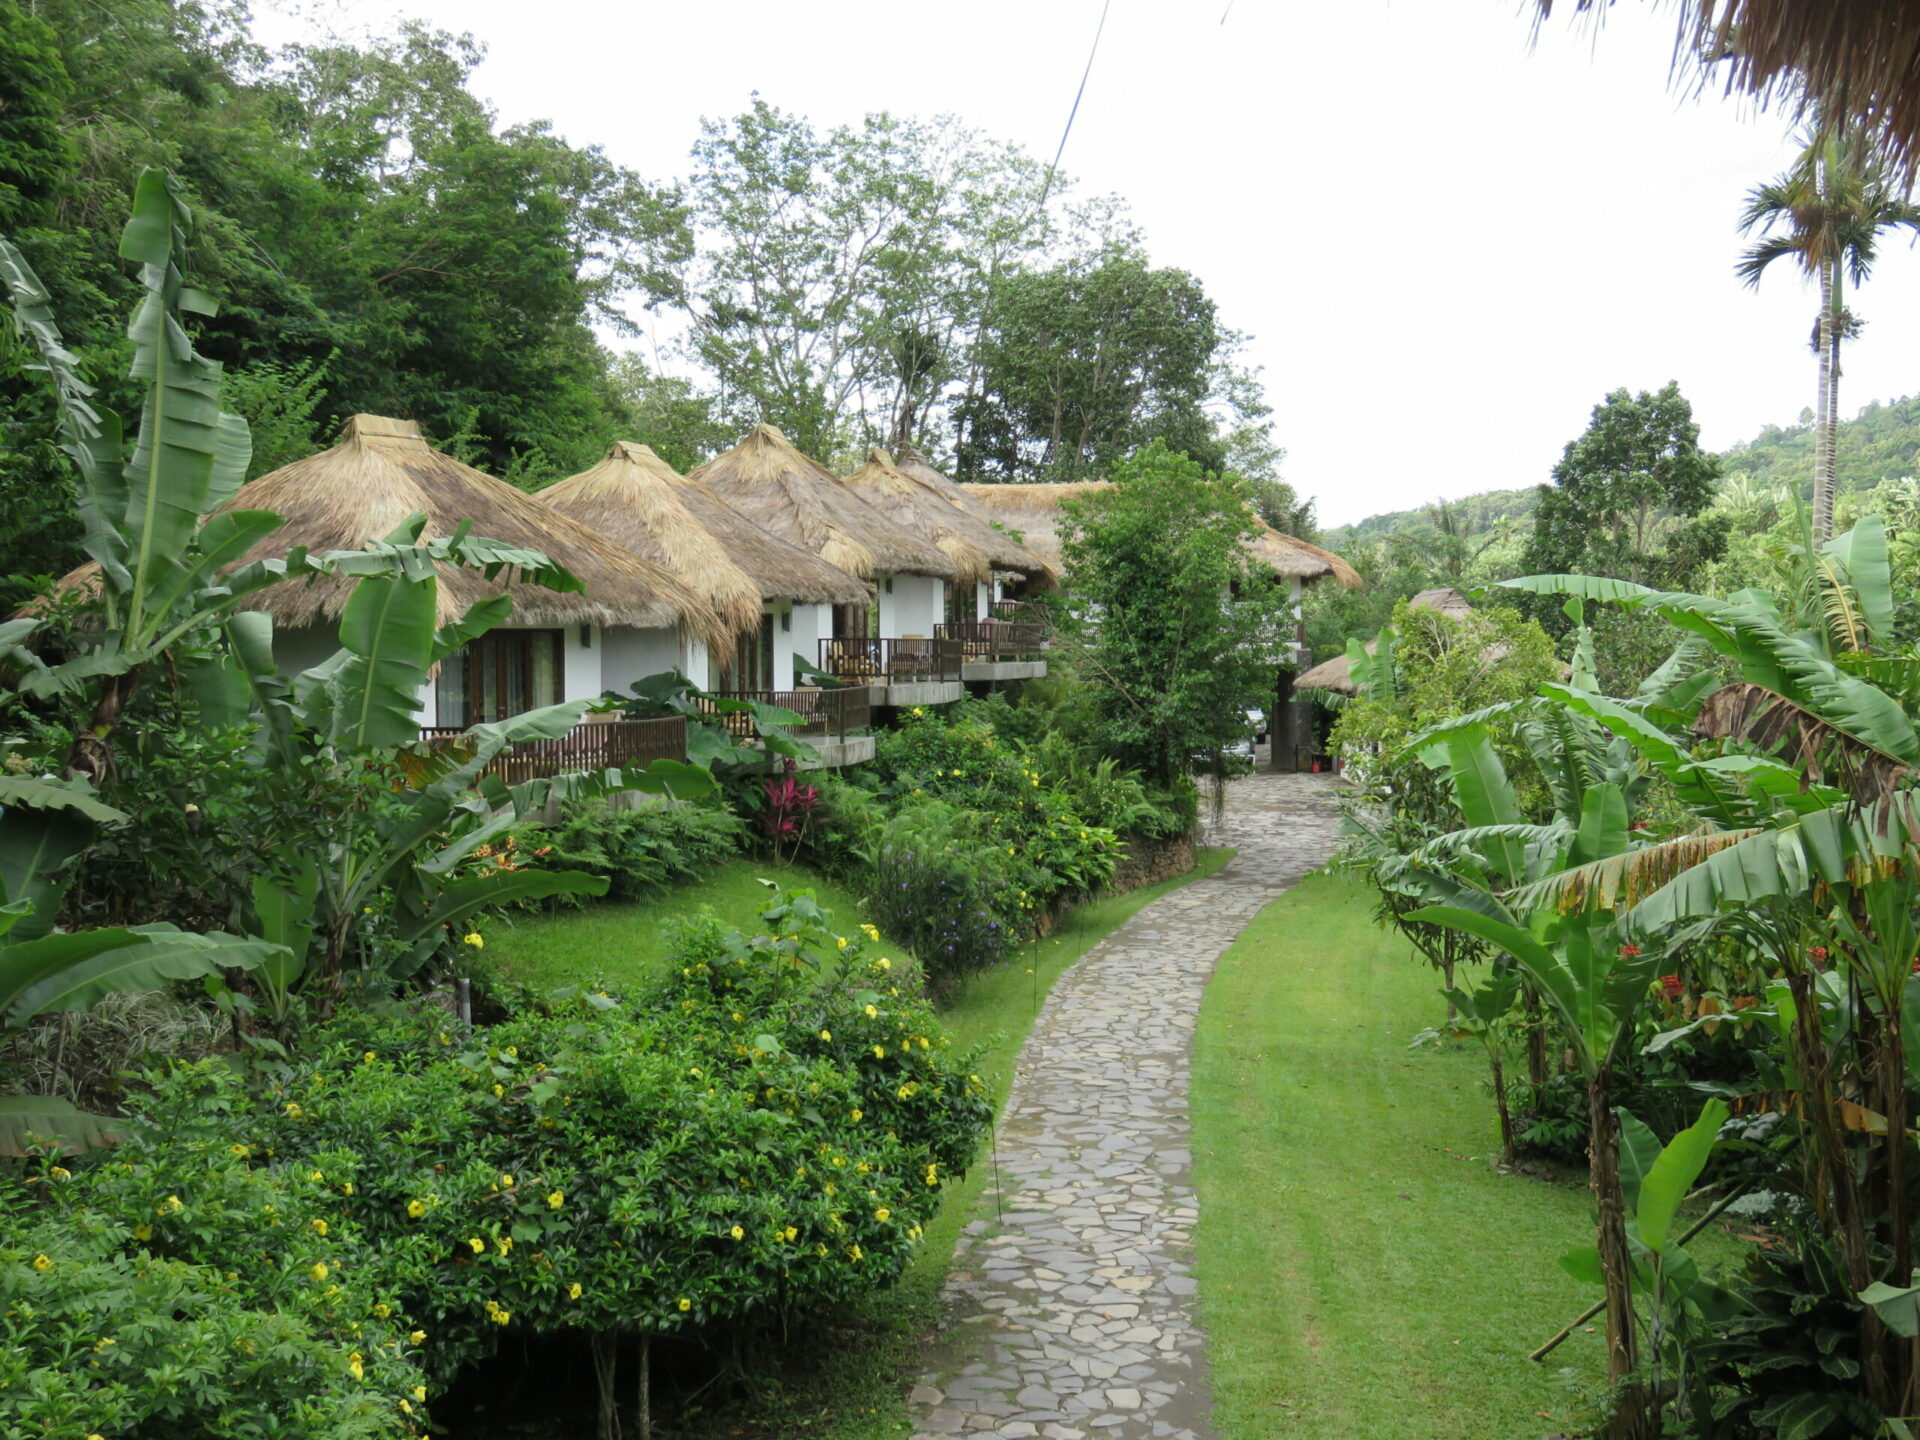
x,y
802,502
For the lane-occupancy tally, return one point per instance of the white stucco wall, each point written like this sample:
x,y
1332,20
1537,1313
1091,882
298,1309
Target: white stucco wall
x,y
914,606
627,655
810,625
581,678
982,600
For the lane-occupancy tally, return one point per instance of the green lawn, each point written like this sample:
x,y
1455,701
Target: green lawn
x,y
627,942
848,1380
1363,1272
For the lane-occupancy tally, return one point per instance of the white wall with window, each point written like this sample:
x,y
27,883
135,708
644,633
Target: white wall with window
x,y
627,655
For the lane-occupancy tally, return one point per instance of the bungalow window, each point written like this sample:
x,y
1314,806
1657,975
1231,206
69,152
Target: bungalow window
x,y
753,657
505,672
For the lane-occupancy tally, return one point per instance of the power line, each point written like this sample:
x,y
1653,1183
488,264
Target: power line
x,y
1098,31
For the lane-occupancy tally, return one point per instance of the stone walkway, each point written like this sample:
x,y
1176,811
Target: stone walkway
x,y
1071,1302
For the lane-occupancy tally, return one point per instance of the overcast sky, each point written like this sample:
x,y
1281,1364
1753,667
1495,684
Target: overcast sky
x,y
1447,243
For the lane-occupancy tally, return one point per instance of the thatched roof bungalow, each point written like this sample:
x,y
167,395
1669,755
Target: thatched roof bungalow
x,y
382,471
1336,674
963,533
1033,512
757,585
1009,558
800,501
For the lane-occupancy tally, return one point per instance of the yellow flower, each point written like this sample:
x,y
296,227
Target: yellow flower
x,y
318,1270
405,1407
498,1091
383,1310
872,1013
573,1291
505,1242
883,1214
859,1115
501,1317
826,1035
417,1336
556,1200
356,1367
871,933
884,963
479,1245
367,1058
347,1188
685,1304
319,1227
143,1232
506,1182
879,1052
416,1209
420,1393
855,1252
41,1262
475,939
293,1108
737,1233
169,1206
843,941
238,1151
789,1234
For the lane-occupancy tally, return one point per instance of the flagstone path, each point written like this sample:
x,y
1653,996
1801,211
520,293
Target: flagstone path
x,y
1071,1301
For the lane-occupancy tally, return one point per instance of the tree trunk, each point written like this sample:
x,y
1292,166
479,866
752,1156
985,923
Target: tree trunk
x,y
1536,1036
1631,1419
1509,1156
605,1345
1827,342
91,753
643,1390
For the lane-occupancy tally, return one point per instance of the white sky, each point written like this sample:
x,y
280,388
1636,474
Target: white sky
x,y
1447,244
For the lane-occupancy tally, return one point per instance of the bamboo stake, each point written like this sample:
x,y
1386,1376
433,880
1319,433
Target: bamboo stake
x,y
1594,1309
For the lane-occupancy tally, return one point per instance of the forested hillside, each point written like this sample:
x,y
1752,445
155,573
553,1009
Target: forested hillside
x,y
376,239
1881,443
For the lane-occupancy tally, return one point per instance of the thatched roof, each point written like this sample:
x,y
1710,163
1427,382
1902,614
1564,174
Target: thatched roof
x,y
1033,511
782,571
382,471
1005,553
631,499
1850,61
802,502
966,537
1337,674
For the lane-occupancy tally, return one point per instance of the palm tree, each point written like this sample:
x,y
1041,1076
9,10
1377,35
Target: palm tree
x,y
1827,212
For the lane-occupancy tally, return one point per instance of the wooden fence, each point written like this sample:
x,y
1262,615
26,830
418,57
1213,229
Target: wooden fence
x,y
593,745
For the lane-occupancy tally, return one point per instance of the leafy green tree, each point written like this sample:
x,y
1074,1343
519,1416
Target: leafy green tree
x,y
833,281
1627,496
1827,214
1083,363
668,412
1177,626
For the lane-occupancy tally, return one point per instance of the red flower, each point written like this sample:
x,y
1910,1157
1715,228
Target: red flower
x,y
1629,952
1818,954
1672,987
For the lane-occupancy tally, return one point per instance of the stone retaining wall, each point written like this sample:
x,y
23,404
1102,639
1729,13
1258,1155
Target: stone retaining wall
x,y
1149,859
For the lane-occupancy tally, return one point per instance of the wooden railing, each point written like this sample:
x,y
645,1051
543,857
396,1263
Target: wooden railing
x,y
1024,612
994,640
892,662
594,745
824,714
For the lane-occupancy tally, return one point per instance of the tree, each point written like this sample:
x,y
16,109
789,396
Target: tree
x,y
834,281
1084,362
1178,627
1626,494
1827,214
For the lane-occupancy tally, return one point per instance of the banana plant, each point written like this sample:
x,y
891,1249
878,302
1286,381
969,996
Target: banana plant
x,y
399,847
1656,1180
1477,1012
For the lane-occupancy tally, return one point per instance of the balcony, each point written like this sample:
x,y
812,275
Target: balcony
x,y
998,649
912,670
831,721
593,745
